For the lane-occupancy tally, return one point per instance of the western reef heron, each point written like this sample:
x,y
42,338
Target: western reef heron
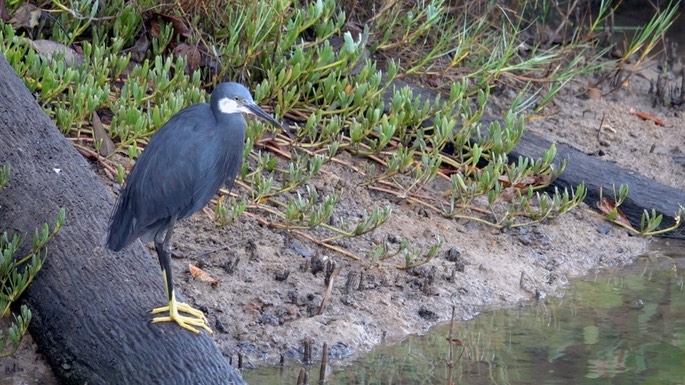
x,y
185,163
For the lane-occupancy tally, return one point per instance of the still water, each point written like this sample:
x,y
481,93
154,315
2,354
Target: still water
x,y
615,327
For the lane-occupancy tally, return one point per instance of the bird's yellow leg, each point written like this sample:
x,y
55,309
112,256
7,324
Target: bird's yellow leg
x,y
197,317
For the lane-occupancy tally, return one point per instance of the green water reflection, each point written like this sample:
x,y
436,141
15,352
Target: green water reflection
x,y
623,327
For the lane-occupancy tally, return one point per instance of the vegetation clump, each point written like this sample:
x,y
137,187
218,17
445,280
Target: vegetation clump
x,y
338,73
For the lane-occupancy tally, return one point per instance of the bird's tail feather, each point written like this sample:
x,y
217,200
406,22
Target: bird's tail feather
x,y
121,226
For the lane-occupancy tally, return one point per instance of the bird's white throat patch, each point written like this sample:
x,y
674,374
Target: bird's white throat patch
x,y
231,106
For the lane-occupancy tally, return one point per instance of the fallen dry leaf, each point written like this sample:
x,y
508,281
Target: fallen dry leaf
x,y
27,16
607,207
647,116
179,24
100,134
594,93
3,12
202,275
191,54
48,49
140,48
154,28
152,21
254,306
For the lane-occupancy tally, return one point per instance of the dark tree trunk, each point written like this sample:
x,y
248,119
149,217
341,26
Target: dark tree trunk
x,y
91,307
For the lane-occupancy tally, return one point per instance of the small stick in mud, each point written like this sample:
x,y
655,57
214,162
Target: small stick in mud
x,y
324,364
303,378
450,354
330,278
307,359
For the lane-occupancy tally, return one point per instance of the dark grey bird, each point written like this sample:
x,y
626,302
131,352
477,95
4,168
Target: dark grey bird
x,y
185,163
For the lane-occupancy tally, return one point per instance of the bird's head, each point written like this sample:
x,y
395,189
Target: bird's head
x,y
234,98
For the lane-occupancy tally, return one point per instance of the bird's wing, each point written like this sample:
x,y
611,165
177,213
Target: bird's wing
x,y
167,176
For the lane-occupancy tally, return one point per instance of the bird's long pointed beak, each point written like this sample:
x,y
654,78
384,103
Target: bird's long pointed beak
x,y
255,109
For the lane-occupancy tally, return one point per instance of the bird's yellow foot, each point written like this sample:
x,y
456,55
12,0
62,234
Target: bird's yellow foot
x,y
197,318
